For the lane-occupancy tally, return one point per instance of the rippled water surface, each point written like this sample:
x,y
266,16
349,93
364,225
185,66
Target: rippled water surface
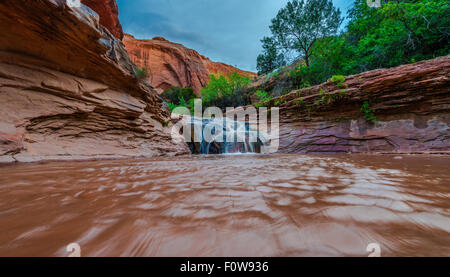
x,y
249,205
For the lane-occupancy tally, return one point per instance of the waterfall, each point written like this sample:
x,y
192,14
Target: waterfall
x,y
226,136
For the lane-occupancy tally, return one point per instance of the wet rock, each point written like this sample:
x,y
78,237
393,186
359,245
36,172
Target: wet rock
x,y
68,89
411,105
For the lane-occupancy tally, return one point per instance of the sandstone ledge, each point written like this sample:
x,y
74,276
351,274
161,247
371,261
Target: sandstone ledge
x,y
411,104
68,89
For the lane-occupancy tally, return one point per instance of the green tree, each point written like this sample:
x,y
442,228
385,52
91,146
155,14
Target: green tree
x,y
399,32
333,56
271,58
301,23
175,94
224,91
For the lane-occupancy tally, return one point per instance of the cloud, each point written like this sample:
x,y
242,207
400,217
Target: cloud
x,y
147,25
227,31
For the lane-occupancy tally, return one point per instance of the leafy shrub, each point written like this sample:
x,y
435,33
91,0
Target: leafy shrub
x,y
369,114
299,102
172,106
305,76
177,94
276,74
225,92
338,79
263,96
179,97
141,73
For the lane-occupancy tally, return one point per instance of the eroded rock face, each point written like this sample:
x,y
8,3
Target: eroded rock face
x,y
68,89
411,104
171,64
109,15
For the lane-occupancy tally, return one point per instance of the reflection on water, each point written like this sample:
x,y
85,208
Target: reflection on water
x,y
249,205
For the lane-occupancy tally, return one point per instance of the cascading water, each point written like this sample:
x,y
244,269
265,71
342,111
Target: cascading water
x,y
224,136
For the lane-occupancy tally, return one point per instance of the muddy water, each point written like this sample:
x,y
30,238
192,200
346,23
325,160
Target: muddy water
x,y
252,205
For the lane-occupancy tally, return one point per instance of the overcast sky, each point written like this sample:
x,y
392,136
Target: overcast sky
x,y
226,31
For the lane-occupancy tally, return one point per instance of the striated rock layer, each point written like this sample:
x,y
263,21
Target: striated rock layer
x,y
411,104
109,15
172,64
68,89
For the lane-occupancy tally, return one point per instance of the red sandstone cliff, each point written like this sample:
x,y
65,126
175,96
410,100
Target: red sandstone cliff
x,y
171,64
68,89
109,15
411,104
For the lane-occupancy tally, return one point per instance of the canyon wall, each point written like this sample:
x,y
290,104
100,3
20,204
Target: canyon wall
x,y
68,89
172,64
109,15
410,103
